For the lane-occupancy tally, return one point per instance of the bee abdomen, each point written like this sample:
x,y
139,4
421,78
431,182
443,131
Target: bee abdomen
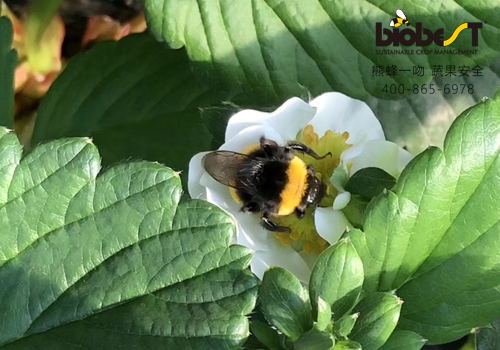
x,y
296,187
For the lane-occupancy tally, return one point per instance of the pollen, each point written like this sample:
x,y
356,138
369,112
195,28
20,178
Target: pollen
x,y
303,235
335,143
284,239
308,248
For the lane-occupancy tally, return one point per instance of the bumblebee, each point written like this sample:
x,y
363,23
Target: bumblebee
x,y
270,180
401,19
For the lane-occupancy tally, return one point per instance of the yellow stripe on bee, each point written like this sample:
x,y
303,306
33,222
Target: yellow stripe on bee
x,y
296,187
234,195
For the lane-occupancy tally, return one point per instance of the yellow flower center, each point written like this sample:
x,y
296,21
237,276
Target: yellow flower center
x,y
303,235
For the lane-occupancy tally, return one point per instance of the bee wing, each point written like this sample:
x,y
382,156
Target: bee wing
x,y
400,14
392,23
223,165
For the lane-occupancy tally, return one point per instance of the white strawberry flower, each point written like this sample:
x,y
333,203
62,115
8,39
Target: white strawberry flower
x,y
332,123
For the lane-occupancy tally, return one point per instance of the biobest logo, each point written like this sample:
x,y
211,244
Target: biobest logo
x,y
420,36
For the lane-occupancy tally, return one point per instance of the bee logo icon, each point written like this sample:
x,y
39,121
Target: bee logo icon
x,y
401,19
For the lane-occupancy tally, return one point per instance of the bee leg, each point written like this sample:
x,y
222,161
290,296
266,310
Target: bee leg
x,y
251,207
271,226
300,212
299,147
310,170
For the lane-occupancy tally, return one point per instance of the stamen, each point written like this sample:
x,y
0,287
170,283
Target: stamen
x,y
284,238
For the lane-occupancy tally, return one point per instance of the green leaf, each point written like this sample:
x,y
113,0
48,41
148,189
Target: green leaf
x,y
435,239
378,316
285,303
216,118
113,261
324,314
488,338
364,185
275,49
8,61
315,341
355,210
337,277
348,345
135,98
370,182
266,335
401,339
344,326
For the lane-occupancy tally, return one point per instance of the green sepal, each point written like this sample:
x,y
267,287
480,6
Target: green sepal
x,y
347,345
402,339
378,317
315,340
266,335
285,303
344,326
337,278
324,315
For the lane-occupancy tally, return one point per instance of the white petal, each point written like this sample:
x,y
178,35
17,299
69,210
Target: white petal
x,y
341,201
385,155
340,113
196,171
404,158
330,224
249,231
284,257
250,137
287,120
220,196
